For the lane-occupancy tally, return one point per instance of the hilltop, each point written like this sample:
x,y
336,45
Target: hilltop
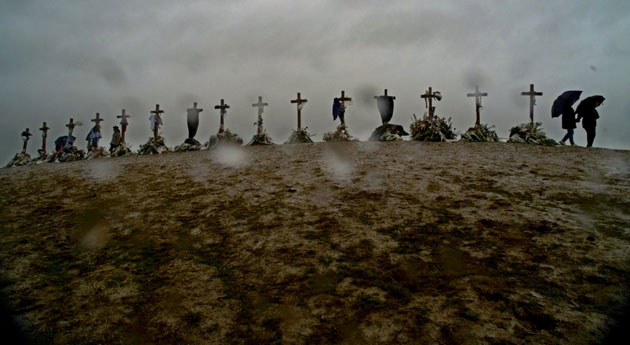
x,y
363,242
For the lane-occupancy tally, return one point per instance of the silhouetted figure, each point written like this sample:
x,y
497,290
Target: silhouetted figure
x,y
586,111
568,122
116,139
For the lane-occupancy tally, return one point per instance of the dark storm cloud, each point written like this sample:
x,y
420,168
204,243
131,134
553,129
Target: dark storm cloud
x,y
69,58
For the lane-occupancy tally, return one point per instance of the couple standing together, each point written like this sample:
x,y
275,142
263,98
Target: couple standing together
x,y
587,113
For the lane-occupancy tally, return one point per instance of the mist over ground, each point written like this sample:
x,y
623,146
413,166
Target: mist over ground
x,y
67,59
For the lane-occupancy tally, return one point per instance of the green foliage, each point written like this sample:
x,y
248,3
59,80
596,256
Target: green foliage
x,y
261,139
122,150
530,133
300,137
480,133
153,147
227,137
20,159
432,129
340,134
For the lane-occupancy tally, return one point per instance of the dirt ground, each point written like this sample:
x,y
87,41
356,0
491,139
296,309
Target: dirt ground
x,y
350,243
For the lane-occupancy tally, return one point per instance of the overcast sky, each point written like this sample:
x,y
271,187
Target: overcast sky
x,y
62,59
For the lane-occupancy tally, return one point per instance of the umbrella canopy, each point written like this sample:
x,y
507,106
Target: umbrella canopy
x,y
569,97
589,102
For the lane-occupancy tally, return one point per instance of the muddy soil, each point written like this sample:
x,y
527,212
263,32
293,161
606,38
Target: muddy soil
x,y
350,243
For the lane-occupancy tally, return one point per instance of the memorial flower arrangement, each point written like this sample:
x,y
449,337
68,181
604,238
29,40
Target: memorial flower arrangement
x,y
188,145
480,133
74,154
153,147
530,133
19,159
341,134
99,152
122,150
388,132
301,136
42,157
432,129
261,139
227,137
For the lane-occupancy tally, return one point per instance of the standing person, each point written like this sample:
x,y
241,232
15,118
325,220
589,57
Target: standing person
x,y
586,110
115,140
568,122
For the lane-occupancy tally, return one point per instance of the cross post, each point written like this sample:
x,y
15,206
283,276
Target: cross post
x,y
261,106
44,130
428,97
223,108
97,120
26,136
71,126
478,96
532,100
343,100
299,100
123,124
157,113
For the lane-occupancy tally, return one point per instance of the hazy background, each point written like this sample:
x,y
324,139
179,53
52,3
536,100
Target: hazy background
x,y
62,59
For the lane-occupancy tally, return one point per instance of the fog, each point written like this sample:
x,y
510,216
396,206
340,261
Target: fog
x,y
67,59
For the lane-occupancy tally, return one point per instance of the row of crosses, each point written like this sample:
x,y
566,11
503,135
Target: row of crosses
x,y
428,96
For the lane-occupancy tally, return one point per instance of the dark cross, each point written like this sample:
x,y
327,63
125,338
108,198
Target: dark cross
x,y
97,120
478,96
261,107
299,100
343,100
223,108
123,124
532,100
44,130
428,99
25,135
71,126
393,97
157,113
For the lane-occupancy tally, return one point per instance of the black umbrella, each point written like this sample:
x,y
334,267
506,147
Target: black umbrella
x,y
589,102
567,97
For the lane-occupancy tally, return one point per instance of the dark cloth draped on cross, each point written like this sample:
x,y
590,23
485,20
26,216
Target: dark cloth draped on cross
x,y
385,104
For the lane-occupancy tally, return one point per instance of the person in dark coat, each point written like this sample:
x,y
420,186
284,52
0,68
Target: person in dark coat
x,y
113,145
586,111
568,122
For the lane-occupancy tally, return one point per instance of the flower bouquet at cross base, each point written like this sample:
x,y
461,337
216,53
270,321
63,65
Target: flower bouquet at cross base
x,y
260,139
41,158
301,136
189,144
341,134
122,150
68,155
99,152
530,133
432,129
480,133
19,159
227,137
153,147
388,132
